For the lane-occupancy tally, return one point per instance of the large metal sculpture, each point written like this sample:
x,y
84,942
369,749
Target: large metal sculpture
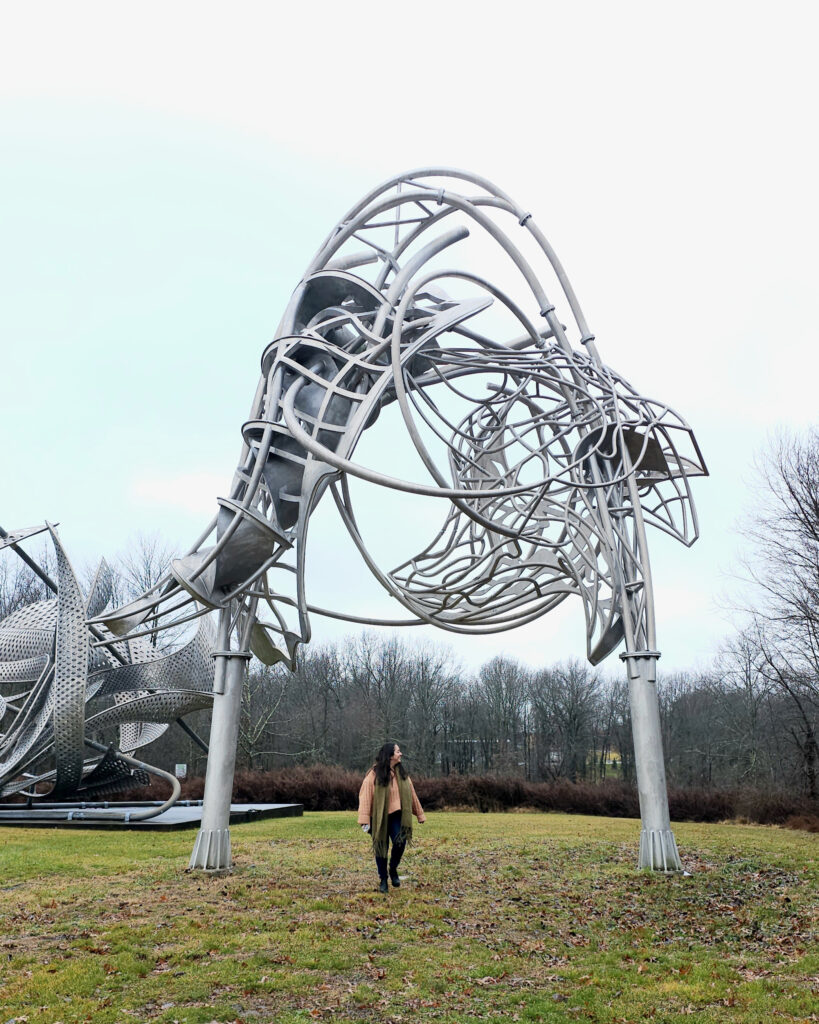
x,y
549,466
73,682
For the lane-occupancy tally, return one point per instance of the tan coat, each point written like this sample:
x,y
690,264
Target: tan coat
x,y
365,799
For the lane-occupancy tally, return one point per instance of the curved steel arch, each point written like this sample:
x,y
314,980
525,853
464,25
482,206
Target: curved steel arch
x,y
548,465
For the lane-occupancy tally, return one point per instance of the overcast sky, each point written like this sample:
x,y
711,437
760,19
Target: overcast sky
x,y
168,169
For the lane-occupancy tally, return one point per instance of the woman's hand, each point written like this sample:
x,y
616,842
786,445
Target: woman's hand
x,y
365,828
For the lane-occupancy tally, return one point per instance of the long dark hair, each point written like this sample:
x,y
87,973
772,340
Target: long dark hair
x,y
382,765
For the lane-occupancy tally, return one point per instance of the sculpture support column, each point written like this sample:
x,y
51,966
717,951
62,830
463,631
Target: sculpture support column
x,y
658,848
211,851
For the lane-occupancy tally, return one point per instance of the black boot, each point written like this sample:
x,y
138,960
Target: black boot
x,y
396,881
383,887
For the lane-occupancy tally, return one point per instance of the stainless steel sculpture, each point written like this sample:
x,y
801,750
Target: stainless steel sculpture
x,y
75,681
548,463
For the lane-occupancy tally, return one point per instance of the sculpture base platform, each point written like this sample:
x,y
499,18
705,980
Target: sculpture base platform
x,y
185,814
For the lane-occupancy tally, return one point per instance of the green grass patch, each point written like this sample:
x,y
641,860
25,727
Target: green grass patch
x,y
501,917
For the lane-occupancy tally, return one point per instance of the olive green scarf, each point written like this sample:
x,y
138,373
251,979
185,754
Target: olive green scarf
x,y
381,797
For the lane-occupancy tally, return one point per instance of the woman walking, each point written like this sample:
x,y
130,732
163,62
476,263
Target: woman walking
x,y
386,804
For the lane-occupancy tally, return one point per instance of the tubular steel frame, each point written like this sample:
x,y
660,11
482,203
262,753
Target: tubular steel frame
x,y
550,466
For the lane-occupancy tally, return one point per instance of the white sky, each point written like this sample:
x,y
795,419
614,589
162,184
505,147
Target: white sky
x,y
167,170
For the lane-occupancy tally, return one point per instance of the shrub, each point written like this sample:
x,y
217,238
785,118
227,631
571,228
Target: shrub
x,y
772,808
701,804
330,788
803,822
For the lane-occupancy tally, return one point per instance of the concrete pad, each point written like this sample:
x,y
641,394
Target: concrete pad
x,y
185,814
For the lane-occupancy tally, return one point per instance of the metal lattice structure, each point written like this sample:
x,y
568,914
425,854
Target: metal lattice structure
x,y
74,681
427,304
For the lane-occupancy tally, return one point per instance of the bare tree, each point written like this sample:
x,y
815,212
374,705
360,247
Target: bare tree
x,y
316,706
502,690
263,690
618,719
693,746
741,691
565,701
433,681
462,716
142,564
379,673
19,585
613,725
138,568
799,711
784,528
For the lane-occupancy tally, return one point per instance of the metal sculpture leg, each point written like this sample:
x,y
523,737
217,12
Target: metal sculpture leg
x,y
211,851
658,848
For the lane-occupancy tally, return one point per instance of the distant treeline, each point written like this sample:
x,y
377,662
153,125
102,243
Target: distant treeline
x,y
731,728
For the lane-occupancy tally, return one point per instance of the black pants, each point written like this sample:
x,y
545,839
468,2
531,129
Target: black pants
x,y
397,852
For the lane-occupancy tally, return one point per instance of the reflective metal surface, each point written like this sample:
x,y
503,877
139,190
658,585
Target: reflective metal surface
x,y
438,295
74,683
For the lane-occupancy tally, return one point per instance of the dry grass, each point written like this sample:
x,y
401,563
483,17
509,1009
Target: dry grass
x,y
525,917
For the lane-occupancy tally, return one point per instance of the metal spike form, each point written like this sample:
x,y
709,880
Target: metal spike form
x,y
439,296
70,676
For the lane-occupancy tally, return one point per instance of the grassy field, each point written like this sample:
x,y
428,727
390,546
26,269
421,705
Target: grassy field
x,y
501,917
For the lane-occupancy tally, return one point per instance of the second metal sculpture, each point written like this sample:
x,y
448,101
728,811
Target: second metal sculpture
x,y
548,465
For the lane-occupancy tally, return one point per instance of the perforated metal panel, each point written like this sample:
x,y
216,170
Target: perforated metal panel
x,y
111,775
30,732
28,632
133,735
39,615
151,707
101,590
70,676
189,668
26,670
